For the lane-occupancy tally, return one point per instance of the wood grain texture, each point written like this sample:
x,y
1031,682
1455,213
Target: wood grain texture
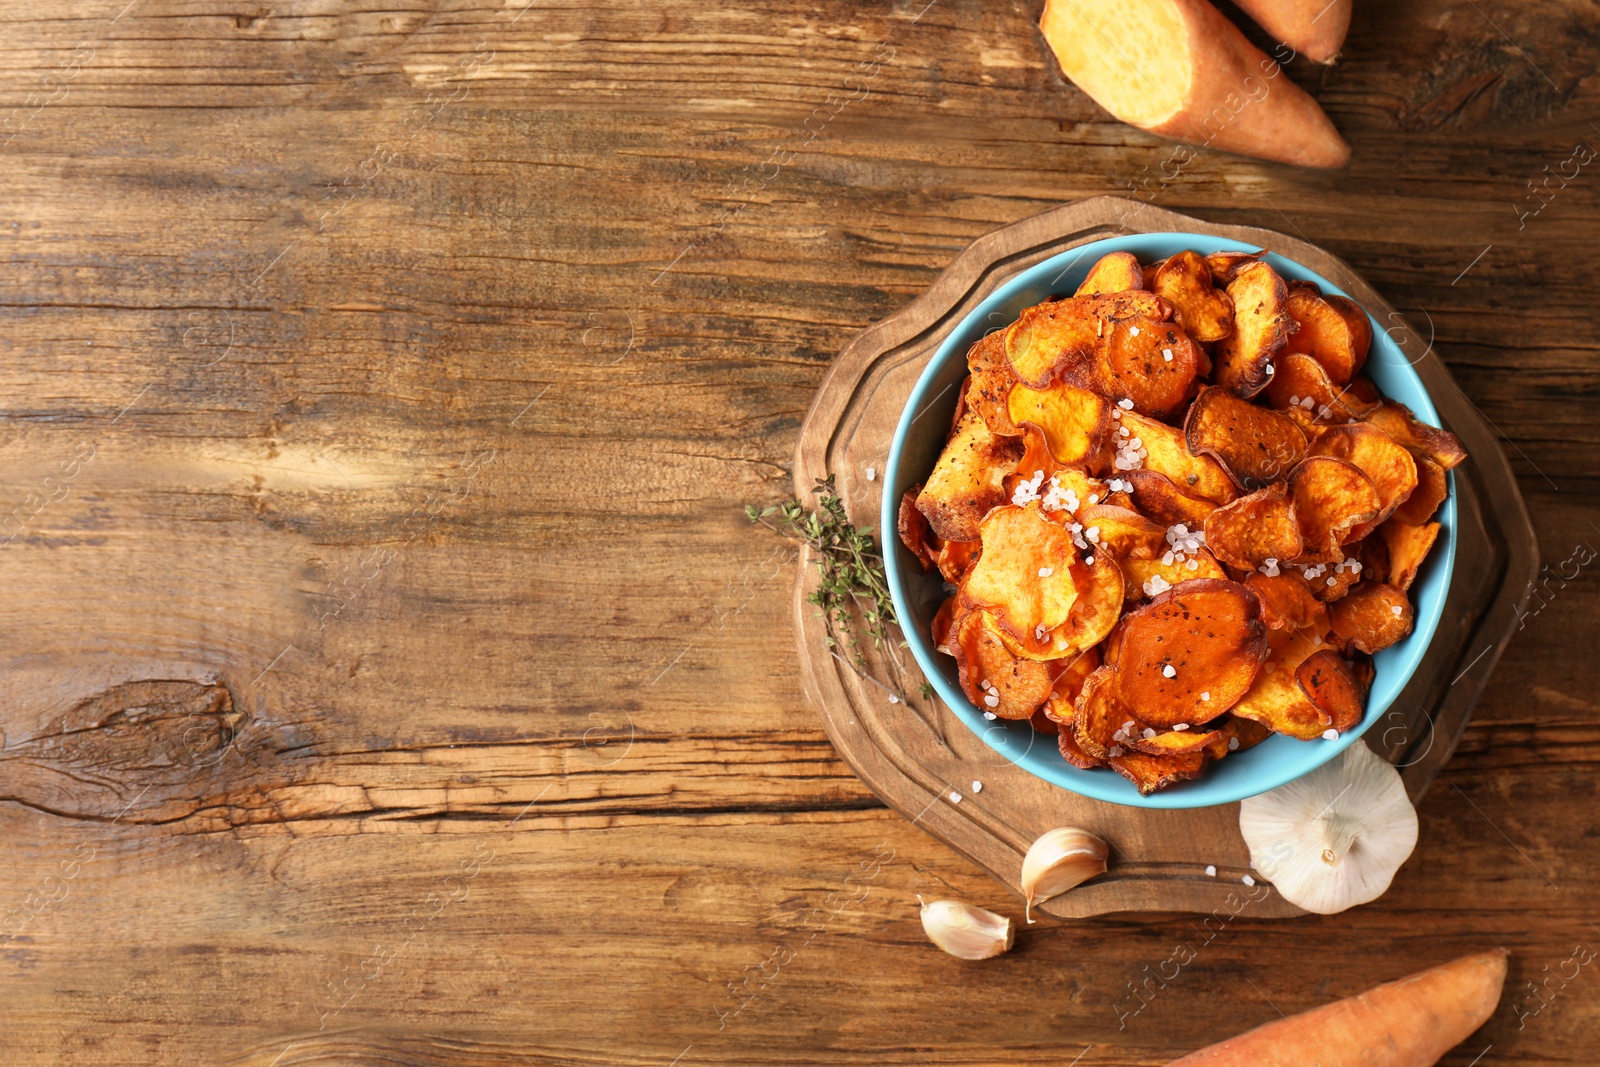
x,y
420,426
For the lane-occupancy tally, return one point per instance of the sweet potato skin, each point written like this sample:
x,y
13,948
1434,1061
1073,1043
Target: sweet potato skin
x,y
1315,28
1410,1022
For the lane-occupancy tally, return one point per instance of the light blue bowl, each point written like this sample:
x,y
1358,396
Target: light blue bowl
x,y
918,594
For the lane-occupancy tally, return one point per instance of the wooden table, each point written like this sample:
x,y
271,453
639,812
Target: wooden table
x,y
390,675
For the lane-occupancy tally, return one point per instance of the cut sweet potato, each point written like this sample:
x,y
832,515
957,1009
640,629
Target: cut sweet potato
x,y
1255,528
1189,654
1398,422
1261,327
1432,488
968,480
1115,272
913,530
1331,498
1387,465
1313,27
1331,684
1323,334
1024,576
1150,773
1179,68
1154,364
1275,700
1076,423
991,676
1158,497
1166,452
1374,616
1185,282
1407,546
990,383
1255,445
1287,602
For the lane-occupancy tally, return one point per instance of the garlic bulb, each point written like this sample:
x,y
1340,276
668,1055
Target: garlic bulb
x,y
1334,838
965,931
1059,860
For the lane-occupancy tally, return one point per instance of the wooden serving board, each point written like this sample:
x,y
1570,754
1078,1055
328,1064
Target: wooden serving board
x,y
917,758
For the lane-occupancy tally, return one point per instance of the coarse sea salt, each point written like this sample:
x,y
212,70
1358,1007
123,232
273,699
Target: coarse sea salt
x,y
1169,671
1247,880
977,787
1330,735
1211,870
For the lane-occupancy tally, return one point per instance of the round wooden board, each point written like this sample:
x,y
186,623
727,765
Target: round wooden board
x,y
919,759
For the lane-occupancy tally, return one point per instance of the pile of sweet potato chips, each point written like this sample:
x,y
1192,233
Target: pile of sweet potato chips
x,y
1176,516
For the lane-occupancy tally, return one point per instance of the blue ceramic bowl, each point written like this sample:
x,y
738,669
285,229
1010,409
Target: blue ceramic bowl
x,y
917,595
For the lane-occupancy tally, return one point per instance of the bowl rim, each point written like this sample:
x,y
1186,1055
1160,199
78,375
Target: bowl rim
x,y
1069,265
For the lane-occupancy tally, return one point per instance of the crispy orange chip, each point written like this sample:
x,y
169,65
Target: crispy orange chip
x,y
1235,734
1166,452
1171,742
1155,495
1323,334
1095,612
1185,282
1359,325
1389,466
968,480
1225,266
1255,445
943,620
1398,422
1076,423
1096,718
1331,497
990,383
1150,773
1044,723
1154,364
1016,687
913,529
1431,491
1276,700
1407,547
1255,528
1050,338
1301,382
1075,755
1140,571
1122,531
1186,656
1113,273
956,559
1071,675
1287,602
1374,616
1024,575
1261,326
1330,683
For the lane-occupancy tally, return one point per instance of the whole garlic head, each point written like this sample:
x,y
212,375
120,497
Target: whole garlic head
x,y
966,932
1334,838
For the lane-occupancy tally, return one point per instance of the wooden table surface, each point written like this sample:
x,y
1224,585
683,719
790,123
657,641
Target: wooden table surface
x,y
390,675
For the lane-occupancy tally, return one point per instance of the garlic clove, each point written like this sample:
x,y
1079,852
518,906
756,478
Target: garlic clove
x,y
1335,838
966,932
1059,860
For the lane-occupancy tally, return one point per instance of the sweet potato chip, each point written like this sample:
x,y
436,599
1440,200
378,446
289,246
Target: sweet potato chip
x,y
1330,581
956,559
1122,532
1323,334
1374,616
1165,452
1024,576
1076,423
1036,461
1407,546
1150,773
1185,282
1399,423
1225,266
1156,496
1071,752
1048,339
1287,602
1044,723
1255,528
1139,572
943,620
1261,326
1330,683
1096,718
1170,742
1331,497
968,480
1069,680
1096,610
913,529
1276,700
990,383
1115,272
1186,656
1359,325
994,679
1387,465
1255,445
1154,364
1301,382
1432,488
1235,734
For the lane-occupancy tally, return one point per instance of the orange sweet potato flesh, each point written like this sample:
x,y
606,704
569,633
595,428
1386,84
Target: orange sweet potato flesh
x,y
1261,327
1372,617
1185,281
1313,27
1411,1022
968,480
1180,69
1255,445
1115,272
